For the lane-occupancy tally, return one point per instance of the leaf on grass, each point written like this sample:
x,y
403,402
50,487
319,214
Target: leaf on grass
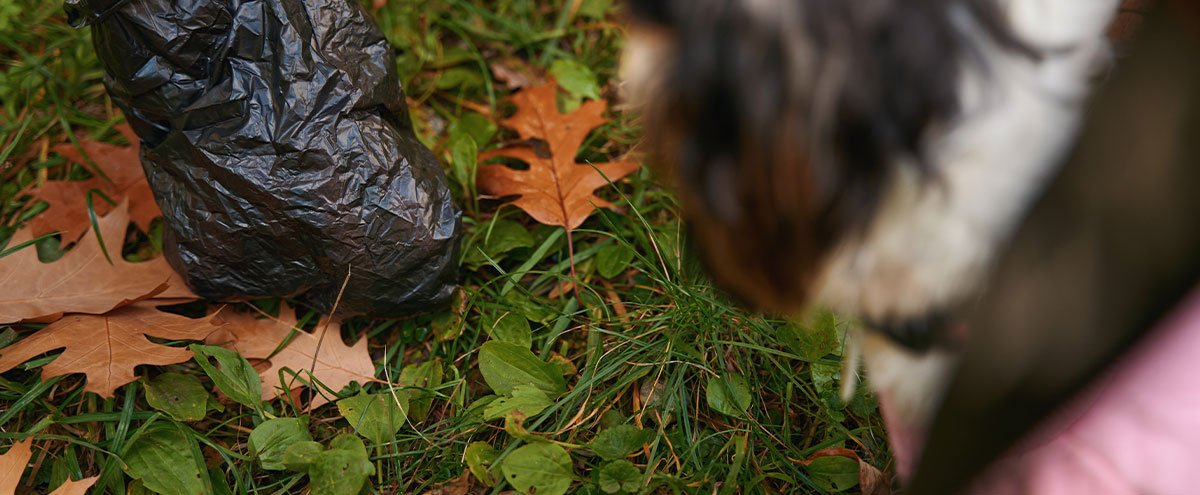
x,y
839,469
75,487
106,348
620,476
504,366
13,463
342,469
729,394
233,375
555,190
271,439
618,442
457,486
67,199
180,396
82,281
527,399
168,462
377,417
427,376
541,468
613,259
337,365
511,327
481,460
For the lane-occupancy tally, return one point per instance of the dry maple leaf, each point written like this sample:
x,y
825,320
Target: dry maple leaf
x,y
82,281
555,190
13,463
337,364
67,199
106,348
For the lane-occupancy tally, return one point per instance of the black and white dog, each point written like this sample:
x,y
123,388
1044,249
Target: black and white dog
x,y
872,156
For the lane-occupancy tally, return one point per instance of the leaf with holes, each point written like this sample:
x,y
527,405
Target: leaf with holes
x,y
180,396
82,281
107,348
555,190
67,199
541,468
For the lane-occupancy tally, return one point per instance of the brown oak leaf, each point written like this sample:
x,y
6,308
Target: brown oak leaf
x,y
337,364
82,281
106,348
13,462
68,211
555,190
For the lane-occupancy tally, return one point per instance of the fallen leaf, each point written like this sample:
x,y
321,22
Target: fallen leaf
x,y
67,199
12,464
871,481
513,72
70,487
555,190
457,486
337,364
82,281
106,348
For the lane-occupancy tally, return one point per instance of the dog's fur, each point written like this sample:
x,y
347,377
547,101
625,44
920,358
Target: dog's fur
x,y
865,155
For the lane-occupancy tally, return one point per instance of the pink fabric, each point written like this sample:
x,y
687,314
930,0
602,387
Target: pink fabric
x,y
1135,430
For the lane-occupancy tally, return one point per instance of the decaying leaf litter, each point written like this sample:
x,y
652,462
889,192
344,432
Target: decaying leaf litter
x,y
683,392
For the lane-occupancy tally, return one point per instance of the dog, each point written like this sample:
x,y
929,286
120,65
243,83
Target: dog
x,y
875,157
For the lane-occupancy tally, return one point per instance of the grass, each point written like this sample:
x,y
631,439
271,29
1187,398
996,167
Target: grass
x,y
643,346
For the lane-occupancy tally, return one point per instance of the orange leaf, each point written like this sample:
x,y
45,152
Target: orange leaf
x,y
555,190
67,199
106,348
75,487
12,464
82,281
337,364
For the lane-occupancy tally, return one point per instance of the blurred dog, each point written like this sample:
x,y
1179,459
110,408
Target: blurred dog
x,y
871,156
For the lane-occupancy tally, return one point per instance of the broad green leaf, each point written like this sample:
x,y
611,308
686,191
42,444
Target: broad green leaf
x,y
377,417
167,461
475,125
613,260
729,394
271,439
232,374
512,328
496,239
594,9
814,338
464,157
527,399
620,476
300,455
180,396
505,365
343,469
618,442
542,468
575,78
480,457
834,473
426,375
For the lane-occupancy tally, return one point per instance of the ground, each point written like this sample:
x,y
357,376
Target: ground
x,y
714,399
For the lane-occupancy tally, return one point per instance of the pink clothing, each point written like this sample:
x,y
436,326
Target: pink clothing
x,y
1135,430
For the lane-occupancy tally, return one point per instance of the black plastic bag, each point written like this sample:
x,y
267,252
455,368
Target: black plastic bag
x,y
277,141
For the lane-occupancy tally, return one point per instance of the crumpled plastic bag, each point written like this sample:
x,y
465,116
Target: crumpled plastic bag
x,y
278,143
